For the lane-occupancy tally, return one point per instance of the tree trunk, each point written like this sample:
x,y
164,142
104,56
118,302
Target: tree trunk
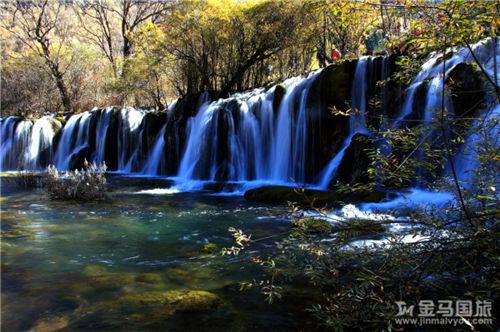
x,y
61,86
58,76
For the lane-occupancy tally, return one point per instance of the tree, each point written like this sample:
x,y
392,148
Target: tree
x,y
40,25
228,46
112,18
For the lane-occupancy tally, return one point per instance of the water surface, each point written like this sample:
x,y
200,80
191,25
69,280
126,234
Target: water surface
x,y
134,262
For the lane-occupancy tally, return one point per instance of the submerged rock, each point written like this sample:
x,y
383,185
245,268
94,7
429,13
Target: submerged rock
x,y
50,324
193,300
99,278
209,248
149,278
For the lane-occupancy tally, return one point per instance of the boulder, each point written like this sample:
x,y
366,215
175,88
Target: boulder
x,y
209,248
327,131
284,194
279,93
186,301
77,159
354,166
466,89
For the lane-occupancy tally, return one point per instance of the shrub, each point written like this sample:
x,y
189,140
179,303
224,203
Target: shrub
x,y
88,183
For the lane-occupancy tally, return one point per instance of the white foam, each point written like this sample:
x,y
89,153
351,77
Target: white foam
x,y
159,191
414,199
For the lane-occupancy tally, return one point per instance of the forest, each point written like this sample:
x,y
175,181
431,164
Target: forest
x,y
249,165
71,56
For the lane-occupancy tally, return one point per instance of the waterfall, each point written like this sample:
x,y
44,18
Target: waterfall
x,y
385,73
153,163
241,139
466,161
436,72
407,108
75,135
357,119
8,143
42,136
103,124
26,144
274,135
432,70
128,142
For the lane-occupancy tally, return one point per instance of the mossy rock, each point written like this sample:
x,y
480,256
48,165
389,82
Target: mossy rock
x,y
335,84
50,324
93,270
152,311
188,301
209,248
279,93
316,225
110,282
283,194
16,232
355,229
98,277
149,278
178,275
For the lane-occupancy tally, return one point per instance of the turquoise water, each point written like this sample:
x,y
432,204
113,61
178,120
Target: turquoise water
x,y
134,262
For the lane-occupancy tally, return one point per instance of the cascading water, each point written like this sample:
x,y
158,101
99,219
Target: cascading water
x,y
436,72
467,160
357,120
407,108
8,143
153,163
75,135
103,124
433,70
241,139
267,135
128,146
27,145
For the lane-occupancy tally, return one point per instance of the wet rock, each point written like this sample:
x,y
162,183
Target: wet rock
x,y
149,278
110,282
316,225
99,278
188,301
78,158
359,229
466,89
94,270
283,194
279,93
355,164
209,248
327,132
50,324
